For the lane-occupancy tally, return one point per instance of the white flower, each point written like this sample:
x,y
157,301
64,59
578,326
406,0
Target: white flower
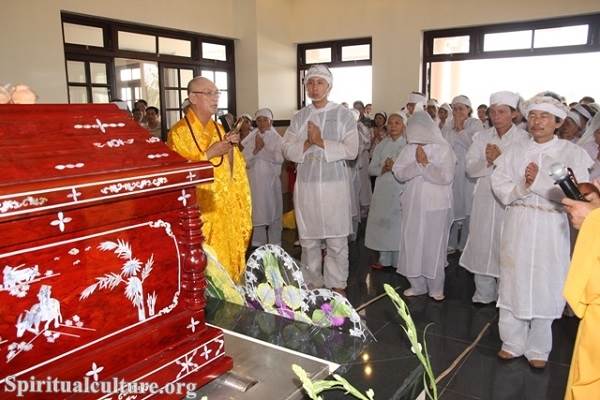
x,y
76,318
69,322
420,348
49,272
74,251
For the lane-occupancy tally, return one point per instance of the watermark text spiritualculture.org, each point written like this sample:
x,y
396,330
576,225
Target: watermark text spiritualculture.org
x,y
118,386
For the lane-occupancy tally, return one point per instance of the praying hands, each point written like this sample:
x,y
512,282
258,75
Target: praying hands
x,y
531,173
421,156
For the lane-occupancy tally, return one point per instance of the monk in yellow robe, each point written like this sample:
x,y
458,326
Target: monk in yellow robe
x,y
582,291
225,204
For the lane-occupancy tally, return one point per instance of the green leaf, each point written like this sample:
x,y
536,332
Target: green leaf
x,y
272,272
340,309
319,318
266,294
292,297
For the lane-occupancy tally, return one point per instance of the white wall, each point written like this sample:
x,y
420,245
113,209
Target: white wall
x,y
31,44
266,33
396,28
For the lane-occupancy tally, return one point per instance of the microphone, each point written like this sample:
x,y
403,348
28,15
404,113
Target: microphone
x,y
564,178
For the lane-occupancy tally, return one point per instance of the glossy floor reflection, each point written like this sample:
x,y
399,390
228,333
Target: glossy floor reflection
x,y
385,364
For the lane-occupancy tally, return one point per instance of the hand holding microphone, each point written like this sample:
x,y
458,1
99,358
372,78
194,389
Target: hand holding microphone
x,y
565,178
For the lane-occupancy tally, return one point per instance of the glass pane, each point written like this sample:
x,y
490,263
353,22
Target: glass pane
x,y
137,42
76,71
223,100
139,79
183,94
84,35
358,52
126,94
507,41
175,47
77,95
451,45
214,51
315,56
528,74
172,117
98,73
351,84
135,74
186,76
221,80
171,99
170,77
208,74
565,36
100,95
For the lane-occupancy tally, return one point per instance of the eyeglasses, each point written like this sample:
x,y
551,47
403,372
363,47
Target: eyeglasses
x,y
216,93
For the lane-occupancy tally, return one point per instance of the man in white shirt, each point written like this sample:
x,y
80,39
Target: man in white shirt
x,y
320,139
482,251
535,246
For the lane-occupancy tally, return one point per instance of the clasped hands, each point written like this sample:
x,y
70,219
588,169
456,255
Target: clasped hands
x,y
313,136
387,165
492,152
421,156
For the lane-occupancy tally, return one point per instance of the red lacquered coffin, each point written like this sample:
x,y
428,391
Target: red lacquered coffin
x,y
100,250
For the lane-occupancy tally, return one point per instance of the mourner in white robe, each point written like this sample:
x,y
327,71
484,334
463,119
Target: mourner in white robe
x,y
322,189
481,255
426,203
264,159
384,220
364,183
463,185
535,242
590,141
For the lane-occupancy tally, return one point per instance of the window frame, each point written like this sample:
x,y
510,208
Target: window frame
x,y
336,59
111,51
477,34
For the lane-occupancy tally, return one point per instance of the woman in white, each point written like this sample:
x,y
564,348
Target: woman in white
x,y
321,137
460,136
482,251
426,166
590,141
264,158
535,235
383,223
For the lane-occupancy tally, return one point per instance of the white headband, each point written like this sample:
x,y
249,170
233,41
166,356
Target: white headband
x,y
576,118
462,100
546,104
416,98
401,114
319,71
264,112
504,98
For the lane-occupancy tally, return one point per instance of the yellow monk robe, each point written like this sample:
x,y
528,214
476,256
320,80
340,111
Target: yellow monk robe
x,y
582,291
225,204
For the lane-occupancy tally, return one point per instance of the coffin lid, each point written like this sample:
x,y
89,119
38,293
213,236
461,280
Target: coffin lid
x,y
64,148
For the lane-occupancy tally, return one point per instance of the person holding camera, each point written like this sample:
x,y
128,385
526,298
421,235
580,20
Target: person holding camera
x,y
225,204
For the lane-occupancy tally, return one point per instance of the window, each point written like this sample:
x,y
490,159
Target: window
x,y
564,36
513,56
83,35
350,63
451,45
318,56
507,40
87,81
109,59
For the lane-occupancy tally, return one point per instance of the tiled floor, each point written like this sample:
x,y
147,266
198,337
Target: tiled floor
x,y
453,325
